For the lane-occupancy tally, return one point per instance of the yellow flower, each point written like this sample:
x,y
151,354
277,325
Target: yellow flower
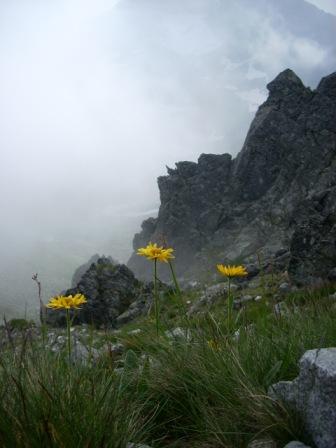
x,y
66,302
153,252
232,271
213,345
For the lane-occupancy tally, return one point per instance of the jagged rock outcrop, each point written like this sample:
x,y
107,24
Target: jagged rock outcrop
x,y
278,193
80,271
114,296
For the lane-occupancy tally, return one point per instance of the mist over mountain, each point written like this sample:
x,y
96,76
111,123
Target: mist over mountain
x,y
97,97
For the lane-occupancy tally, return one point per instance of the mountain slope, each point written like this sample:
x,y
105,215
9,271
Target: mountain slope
x,y
283,180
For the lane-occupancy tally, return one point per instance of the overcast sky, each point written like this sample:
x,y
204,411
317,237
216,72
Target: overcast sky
x,y
98,96
325,5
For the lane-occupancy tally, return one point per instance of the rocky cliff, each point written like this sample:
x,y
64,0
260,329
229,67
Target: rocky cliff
x,y
278,193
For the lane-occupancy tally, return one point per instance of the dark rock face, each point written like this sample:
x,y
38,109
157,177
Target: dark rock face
x,y
80,271
111,290
277,194
313,245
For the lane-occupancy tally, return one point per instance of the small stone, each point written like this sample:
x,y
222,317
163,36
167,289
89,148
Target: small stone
x,y
284,287
296,444
238,303
51,338
252,270
258,298
280,309
134,332
262,443
83,354
246,298
218,289
116,349
193,284
332,296
178,333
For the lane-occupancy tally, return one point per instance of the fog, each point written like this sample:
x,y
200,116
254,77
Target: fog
x,y
97,97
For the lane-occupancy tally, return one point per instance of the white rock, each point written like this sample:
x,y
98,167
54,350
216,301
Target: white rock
x,y
134,332
60,339
178,333
284,287
116,349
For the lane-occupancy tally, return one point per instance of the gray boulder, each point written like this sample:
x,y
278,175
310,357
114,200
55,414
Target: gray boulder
x,y
284,288
137,308
313,395
211,295
238,303
80,353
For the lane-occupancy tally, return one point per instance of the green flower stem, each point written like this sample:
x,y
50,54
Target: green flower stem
x,y
68,332
177,287
262,277
229,309
156,298
174,278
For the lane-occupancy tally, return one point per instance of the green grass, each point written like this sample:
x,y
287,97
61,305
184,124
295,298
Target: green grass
x,y
45,402
171,393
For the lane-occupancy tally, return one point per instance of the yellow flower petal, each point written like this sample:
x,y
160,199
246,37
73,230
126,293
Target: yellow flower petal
x,y
153,252
66,302
232,271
